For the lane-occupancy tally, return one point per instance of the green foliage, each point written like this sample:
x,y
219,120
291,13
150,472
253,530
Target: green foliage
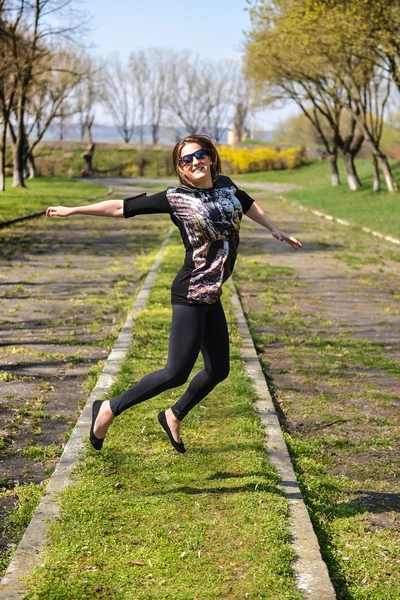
x,y
332,59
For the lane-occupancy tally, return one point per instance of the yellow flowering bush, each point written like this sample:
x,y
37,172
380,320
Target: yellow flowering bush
x,y
249,160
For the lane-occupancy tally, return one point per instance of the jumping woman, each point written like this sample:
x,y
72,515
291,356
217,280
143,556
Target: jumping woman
x,y
207,208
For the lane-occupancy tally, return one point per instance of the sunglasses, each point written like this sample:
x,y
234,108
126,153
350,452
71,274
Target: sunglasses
x,y
186,160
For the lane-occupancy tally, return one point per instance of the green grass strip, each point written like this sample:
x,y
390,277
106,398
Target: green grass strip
x,y
43,192
378,211
143,522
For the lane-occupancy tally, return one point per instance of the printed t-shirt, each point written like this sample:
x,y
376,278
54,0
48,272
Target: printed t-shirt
x,y
209,222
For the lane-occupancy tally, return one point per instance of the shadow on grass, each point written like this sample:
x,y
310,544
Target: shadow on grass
x,y
377,502
247,246
227,475
322,509
193,491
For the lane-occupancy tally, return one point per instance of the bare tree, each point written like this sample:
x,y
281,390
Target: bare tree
x,y
7,92
35,24
150,69
48,98
188,98
220,83
241,105
138,74
120,97
87,94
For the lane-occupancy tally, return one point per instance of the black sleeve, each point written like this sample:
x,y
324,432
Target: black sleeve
x,y
146,205
245,200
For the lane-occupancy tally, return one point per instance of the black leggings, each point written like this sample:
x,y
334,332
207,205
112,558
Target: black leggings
x,y
194,328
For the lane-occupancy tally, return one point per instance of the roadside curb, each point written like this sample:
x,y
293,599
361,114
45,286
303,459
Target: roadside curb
x,y
318,213
27,555
312,573
40,213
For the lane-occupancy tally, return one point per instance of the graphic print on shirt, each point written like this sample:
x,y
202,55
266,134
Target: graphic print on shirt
x,y
211,220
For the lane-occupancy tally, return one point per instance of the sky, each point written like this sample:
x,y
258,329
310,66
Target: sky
x,y
210,28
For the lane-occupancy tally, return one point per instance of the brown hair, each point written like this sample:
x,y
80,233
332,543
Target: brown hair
x,y
205,142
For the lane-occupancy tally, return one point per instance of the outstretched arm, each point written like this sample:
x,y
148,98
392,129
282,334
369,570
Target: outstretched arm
x,y
256,213
107,208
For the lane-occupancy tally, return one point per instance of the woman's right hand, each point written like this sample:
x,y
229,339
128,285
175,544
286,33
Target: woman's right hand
x,y
58,211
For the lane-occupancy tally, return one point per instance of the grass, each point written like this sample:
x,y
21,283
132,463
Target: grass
x,y
341,431
27,498
376,210
142,522
113,160
43,192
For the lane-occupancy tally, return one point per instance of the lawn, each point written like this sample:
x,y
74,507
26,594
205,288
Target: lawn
x,y
43,192
377,210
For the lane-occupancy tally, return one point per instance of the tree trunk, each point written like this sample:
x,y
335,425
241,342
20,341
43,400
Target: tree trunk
x,y
18,166
19,149
351,173
382,161
375,171
154,130
82,127
387,173
89,126
31,166
88,158
332,158
3,158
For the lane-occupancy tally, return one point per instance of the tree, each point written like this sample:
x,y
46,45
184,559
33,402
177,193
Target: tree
x,y
241,107
220,83
120,97
52,89
157,62
297,129
283,67
87,94
35,25
188,94
7,86
340,34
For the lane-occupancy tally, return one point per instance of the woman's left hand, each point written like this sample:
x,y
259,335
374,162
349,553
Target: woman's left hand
x,y
285,237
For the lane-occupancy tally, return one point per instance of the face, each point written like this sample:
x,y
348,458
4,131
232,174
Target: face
x,y
198,172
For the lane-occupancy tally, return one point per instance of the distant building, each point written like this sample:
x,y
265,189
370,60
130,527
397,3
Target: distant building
x,y
233,137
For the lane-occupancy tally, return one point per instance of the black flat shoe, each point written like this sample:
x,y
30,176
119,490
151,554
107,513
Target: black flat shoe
x,y
179,447
96,442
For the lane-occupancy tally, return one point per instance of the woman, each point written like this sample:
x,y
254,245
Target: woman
x,y
207,208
